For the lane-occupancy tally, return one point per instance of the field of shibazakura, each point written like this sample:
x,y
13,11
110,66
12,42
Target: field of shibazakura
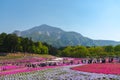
x,y
106,68
46,67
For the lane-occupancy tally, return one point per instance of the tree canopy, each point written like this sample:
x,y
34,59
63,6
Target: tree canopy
x,y
12,43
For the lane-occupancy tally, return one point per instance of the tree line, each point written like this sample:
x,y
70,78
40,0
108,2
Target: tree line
x,y
93,51
12,43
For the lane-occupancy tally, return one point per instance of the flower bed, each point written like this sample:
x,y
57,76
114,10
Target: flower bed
x,y
21,70
33,64
61,73
108,68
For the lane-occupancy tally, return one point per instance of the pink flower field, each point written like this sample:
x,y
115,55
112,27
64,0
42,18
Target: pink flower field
x,y
107,68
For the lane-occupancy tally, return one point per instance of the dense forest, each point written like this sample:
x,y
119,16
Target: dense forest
x,y
93,51
11,43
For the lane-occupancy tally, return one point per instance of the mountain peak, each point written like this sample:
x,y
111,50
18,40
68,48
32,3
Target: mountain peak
x,y
45,27
59,38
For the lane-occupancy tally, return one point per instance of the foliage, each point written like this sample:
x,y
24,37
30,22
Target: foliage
x,y
12,43
95,51
75,51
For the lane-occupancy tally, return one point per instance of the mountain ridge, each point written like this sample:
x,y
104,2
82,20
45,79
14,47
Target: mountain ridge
x,y
60,38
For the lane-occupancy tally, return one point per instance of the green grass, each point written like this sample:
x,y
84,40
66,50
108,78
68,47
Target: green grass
x,y
22,55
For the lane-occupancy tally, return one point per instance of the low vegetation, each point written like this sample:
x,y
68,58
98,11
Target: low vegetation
x,y
19,55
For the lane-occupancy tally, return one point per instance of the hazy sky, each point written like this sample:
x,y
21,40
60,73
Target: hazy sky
x,y
96,19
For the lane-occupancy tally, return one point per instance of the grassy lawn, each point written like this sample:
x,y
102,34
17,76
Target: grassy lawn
x,y
22,55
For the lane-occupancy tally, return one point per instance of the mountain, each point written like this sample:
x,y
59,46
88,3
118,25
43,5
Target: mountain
x,y
60,38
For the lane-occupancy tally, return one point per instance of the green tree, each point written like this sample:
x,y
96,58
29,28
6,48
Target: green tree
x,y
11,42
81,51
109,49
2,38
96,51
25,44
40,48
67,51
76,51
117,48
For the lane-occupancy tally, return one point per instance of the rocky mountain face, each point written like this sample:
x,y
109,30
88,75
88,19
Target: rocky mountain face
x,y
60,38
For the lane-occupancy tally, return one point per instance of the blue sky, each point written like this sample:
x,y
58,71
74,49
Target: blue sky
x,y
96,19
